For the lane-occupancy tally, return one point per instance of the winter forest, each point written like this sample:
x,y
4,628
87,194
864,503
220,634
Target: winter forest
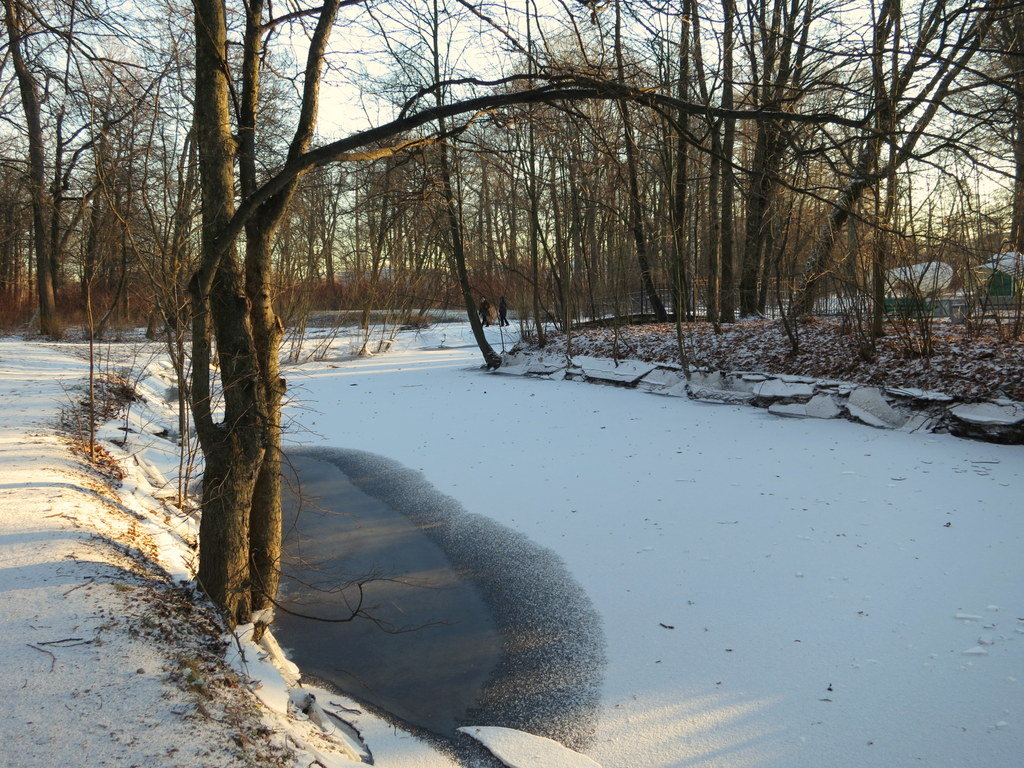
x,y
720,159
236,176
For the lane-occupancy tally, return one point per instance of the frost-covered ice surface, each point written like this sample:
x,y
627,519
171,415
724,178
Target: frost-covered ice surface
x,y
775,592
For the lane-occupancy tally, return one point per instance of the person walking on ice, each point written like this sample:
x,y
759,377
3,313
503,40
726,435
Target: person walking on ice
x,y
502,312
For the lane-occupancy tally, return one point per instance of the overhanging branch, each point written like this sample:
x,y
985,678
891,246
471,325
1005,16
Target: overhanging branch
x,y
557,88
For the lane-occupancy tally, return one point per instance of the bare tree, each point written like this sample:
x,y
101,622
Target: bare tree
x,y
901,103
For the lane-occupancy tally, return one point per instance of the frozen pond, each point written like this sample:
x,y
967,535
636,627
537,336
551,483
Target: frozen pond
x,y
742,564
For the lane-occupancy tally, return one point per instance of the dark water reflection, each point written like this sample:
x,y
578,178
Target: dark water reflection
x,y
505,635
431,645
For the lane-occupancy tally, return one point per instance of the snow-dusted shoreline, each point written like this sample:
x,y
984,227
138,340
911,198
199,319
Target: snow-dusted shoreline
x,y
971,368
903,408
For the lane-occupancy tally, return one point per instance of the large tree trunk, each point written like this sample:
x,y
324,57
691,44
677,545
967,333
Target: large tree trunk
x,y
680,249
264,534
264,539
453,219
817,266
1013,32
265,515
758,233
713,237
534,197
680,200
781,58
453,213
636,219
42,202
233,449
1017,232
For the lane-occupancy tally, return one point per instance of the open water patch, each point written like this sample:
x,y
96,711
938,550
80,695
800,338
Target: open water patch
x,y
422,642
506,636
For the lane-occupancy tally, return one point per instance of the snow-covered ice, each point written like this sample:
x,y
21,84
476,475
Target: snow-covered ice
x,y
989,413
680,513
781,389
869,405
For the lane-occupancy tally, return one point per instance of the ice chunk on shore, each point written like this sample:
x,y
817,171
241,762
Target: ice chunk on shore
x,y
989,413
518,749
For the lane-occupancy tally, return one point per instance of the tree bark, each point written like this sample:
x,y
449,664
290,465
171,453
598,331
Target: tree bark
x,y
457,258
233,450
1013,33
727,302
681,306
636,216
680,199
453,214
42,202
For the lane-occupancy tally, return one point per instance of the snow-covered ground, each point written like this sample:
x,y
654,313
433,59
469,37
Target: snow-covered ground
x,y
82,683
774,593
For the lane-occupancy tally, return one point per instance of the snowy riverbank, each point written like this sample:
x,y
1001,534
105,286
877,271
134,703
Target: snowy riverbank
x,y
108,658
